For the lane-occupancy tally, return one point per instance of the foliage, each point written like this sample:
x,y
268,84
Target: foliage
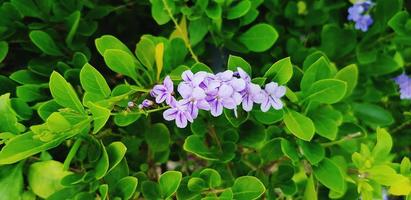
x,y
75,74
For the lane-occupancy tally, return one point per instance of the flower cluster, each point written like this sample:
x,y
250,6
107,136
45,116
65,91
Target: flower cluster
x,y
357,14
214,92
404,82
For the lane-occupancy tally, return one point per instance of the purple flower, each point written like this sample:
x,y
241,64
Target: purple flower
x,y
178,112
194,99
270,97
164,92
224,97
404,82
250,92
145,104
357,13
363,23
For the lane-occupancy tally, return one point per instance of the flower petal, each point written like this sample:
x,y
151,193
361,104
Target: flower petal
x,y
168,84
187,76
271,87
170,114
225,91
181,120
276,103
280,91
216,108
198,93
237,84
185,90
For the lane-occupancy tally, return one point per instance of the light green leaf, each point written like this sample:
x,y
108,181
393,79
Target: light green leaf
x,y
330,175
106,42
64,94
121,62
8,117
145,52
259,38
44,177
310,191
11,181
319,70
384,144
126,187
349,75
73,22
236,61
247,188
327,91
100,116
169,183
239,9
281,71
93,82
300,125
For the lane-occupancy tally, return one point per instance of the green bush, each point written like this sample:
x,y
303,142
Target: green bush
x,y
205,99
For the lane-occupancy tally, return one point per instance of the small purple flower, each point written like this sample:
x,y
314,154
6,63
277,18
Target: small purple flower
x,y
250,91
270,97
363,23
404,82
357,13
178,112
164,92
146,104
225,97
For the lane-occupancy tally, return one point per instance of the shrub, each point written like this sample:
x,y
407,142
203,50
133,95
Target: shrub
x,y
202,99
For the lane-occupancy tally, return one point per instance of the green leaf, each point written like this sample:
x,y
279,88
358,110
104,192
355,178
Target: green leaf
x,y
326,121
372,114
197,67
252,134
151,190
64,94
44,177
145,51
73,22
383,174
398,23
100,116
31,92
259,38
239,10
327,91
236,61
247,188
125,119
349,75
107,42
271,150
169,183
8,117
11,181
93,82
310,192
314,152
27,77
116,152
175,75
159,11
281,71
319,70
4,49
158,137
45,43
337,42
300,125
121,62
289,150
328,173
211,177
57,123
125,187
384,144
197,30
196,184
270,117
236,121
103,163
